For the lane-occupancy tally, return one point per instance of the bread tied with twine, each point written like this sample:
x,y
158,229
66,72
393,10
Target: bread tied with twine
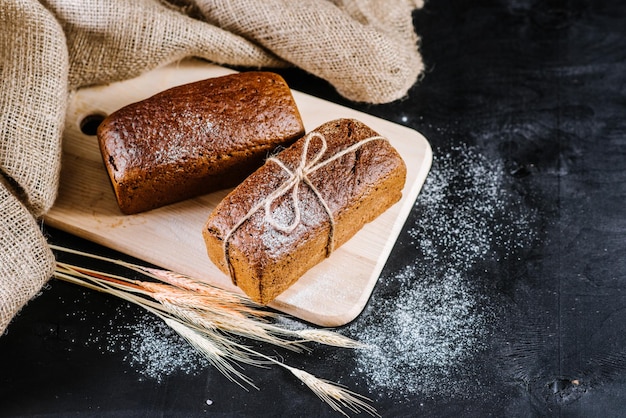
x,y
363,176
293,182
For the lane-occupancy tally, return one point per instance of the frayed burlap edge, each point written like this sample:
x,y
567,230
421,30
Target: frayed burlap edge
x,y
33,84
26,261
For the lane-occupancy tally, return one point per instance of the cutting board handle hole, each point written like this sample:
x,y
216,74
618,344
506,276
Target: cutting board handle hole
x,y
89,124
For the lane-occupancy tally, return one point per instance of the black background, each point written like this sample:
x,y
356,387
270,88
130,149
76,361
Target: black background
x,y
538,87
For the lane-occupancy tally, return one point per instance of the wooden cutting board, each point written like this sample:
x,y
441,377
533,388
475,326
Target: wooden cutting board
x,y
331,294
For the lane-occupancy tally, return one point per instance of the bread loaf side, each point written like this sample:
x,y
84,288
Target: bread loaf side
x,y
196,138
303,203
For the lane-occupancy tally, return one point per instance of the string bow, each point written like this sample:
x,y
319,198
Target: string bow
x,y
296,177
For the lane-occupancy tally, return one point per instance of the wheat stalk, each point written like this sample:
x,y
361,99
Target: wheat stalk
x,y
219,355
327,337
334,395
208,317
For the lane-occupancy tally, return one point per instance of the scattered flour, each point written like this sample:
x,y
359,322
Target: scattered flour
x,y
155,351
419,339
150,347
424,336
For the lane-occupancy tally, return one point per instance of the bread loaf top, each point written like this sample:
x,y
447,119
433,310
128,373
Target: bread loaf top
x,y
335,188
204,121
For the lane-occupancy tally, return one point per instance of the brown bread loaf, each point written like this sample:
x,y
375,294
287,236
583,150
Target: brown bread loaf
x,y
196,138
293,211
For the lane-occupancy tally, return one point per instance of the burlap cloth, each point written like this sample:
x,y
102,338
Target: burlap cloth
x,y
366,49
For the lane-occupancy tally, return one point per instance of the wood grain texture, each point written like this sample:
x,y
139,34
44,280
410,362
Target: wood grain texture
x,y
331,294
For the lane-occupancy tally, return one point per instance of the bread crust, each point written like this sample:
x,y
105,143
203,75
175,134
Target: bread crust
x,y
196,138
356,188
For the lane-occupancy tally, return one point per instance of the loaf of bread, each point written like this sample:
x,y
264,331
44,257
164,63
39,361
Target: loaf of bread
x,y
303,203
196,138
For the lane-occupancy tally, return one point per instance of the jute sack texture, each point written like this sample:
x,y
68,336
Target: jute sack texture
x,y
367,50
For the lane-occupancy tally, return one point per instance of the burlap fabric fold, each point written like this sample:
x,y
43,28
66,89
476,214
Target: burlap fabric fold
x,y
366,49
33,96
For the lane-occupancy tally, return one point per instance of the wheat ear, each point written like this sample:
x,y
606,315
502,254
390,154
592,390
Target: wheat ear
x,y
205,315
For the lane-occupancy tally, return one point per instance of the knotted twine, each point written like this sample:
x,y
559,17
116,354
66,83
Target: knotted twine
x,y
296,177
367,50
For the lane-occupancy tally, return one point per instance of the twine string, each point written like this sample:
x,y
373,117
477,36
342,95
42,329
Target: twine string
x,y
295,178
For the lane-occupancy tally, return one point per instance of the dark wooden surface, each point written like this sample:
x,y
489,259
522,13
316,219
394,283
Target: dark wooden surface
x,y
524,103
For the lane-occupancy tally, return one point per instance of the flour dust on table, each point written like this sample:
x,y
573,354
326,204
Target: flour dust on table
x,y
155,351
149,347
438,316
